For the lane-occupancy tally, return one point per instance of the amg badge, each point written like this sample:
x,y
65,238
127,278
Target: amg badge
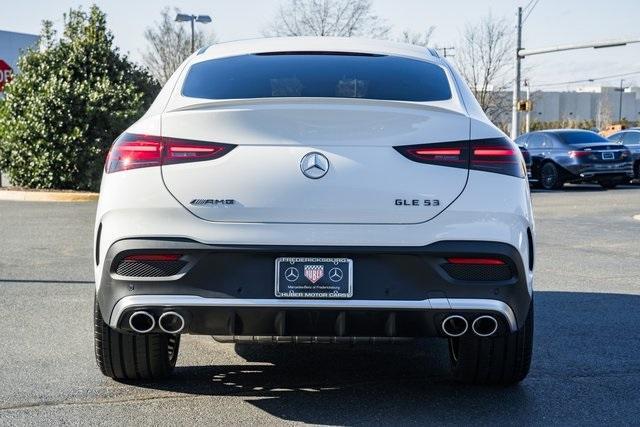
x,y
212,202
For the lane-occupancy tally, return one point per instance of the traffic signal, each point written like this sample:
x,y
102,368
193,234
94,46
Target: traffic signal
x,y
525,105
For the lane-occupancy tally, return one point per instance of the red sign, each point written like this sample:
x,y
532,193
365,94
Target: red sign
x,y
6,73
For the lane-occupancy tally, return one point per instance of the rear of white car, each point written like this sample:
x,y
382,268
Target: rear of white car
x,y
314,190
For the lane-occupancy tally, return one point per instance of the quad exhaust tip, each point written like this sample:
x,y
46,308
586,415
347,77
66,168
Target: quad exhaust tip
x,y
485,326
455,326
171,322
142,322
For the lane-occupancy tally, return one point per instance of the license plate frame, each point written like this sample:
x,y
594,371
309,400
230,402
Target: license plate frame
x,y
314,278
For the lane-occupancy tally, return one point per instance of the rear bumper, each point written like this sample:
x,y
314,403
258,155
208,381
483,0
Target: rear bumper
x,y
398,291
591,171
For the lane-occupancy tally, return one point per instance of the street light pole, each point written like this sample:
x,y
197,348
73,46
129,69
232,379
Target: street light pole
x,y
203,19
193,42
515,117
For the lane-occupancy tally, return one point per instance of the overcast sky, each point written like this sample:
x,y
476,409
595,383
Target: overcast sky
x,y
551,23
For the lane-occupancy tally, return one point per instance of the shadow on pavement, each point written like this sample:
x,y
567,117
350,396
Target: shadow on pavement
x,y
585,188
586,369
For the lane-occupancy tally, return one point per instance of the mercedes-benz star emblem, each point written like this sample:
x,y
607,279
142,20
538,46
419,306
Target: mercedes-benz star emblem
x,y
335,274
314,165
291,274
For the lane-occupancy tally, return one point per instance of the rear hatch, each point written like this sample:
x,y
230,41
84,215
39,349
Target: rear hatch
x,y
367,181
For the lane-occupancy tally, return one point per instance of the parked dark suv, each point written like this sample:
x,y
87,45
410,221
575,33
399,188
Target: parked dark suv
x,y
573,155
631,139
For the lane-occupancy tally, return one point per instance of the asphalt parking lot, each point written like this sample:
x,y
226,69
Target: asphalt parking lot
x,y
586,366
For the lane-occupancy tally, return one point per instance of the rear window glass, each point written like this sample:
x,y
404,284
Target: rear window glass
x,y
579,137
326,75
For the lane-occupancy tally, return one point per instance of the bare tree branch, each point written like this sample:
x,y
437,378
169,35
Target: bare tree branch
x,y
483,58
420,39
169,43
342,18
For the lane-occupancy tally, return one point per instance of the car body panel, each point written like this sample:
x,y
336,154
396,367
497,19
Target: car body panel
x,y
268,185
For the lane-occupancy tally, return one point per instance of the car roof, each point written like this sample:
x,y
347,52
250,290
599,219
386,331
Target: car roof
x,y
315,44
564,130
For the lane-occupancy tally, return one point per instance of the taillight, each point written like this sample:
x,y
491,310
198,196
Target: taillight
x,y
578,153
497,155
181,151
453,154
131,151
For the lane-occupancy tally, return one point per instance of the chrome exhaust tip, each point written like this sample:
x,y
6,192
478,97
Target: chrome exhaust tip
x,y
142,322
171,322
455,326
484,326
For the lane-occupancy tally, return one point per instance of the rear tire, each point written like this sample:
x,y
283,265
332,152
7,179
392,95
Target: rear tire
x,y
550,177
501,360
609,184
131,357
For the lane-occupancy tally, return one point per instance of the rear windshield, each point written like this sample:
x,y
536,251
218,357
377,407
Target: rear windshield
x,y
327,75
579,137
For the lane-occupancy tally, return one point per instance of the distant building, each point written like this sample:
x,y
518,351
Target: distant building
x,y
601,104
11,44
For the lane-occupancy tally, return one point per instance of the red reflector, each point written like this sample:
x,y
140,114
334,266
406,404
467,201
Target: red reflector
x,y
492,152
476,261
153,257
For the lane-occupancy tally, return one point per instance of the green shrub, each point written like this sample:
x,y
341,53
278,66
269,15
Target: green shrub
x,y
72,98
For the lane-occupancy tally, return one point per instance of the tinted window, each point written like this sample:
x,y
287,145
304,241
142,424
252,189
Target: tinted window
x,y
616,137
535,140
631,138
522,140
579,137
330,75
547,141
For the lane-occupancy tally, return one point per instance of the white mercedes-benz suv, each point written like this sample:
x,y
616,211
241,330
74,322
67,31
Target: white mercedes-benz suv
x,y
315,190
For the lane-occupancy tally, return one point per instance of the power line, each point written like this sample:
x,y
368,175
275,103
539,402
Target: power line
x,y
588,80
528,4
528,12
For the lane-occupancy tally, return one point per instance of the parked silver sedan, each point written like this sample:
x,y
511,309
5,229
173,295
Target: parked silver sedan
x,y
631,139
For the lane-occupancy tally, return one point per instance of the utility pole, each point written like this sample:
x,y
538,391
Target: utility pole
x,y
515,117
523,53
527,120
621,90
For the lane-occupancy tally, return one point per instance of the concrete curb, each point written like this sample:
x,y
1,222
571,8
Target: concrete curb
x,y
47,196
